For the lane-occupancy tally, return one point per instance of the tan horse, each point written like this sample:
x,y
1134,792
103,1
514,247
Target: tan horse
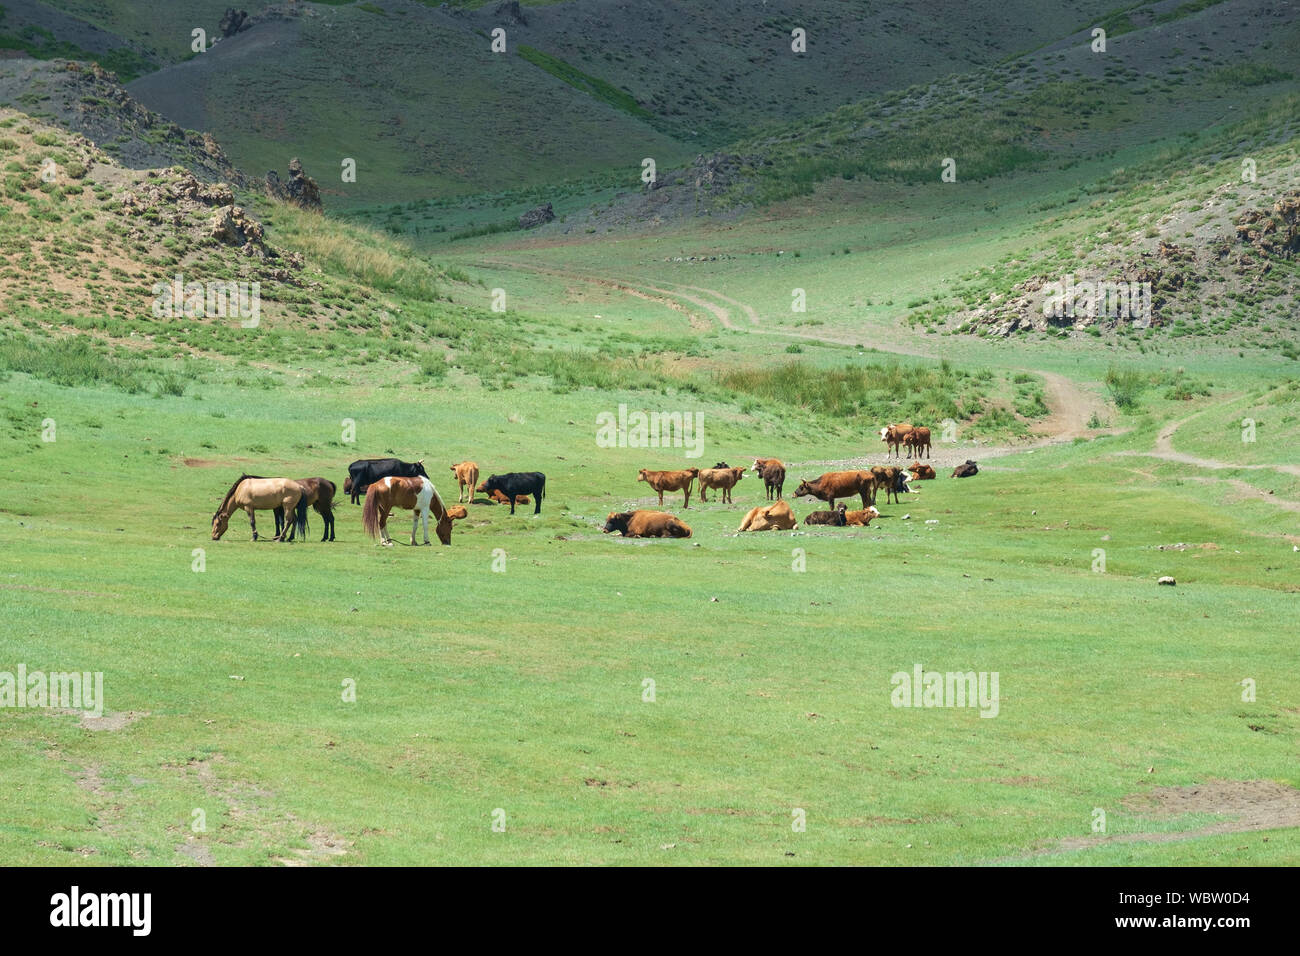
x,y
254,493
416,494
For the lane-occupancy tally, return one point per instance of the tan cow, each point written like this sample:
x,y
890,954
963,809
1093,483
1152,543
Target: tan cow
x,y
466,475
773,517
457,512
861,518
662,481
920,472
646,524
722,478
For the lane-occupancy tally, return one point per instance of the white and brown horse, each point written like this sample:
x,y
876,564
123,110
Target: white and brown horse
x,y
416,494
254,493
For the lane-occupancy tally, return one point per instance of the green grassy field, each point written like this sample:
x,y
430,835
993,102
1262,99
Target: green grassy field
x,y
541,693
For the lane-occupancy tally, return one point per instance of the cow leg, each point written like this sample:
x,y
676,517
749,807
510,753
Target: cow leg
x,y
702,495
661,499
831,504
686,502
537,501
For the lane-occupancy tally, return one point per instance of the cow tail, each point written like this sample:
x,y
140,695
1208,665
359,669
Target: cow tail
x,y
370,514
542,494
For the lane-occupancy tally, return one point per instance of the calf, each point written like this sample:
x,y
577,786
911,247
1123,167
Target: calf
x,y
773,474
721,477
966,470
835,518
861,518
646,524
773,517
890,478
500,498
517,483
466,477
918,439
662,481
457,512
839,484
920,472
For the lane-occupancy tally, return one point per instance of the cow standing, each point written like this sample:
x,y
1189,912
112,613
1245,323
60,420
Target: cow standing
x,y
772,471
364,472
466,473
839,484
518,483
722,478
918,439
662,481
894,436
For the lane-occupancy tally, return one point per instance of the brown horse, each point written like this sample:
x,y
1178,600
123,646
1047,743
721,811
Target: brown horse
x,y
254,493
416,494
319,493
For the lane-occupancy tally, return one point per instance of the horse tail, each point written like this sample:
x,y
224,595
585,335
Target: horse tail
x,y
302,515
370,513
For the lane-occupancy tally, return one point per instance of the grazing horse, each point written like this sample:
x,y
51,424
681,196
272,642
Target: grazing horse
x,y
254,493
319,493
416,494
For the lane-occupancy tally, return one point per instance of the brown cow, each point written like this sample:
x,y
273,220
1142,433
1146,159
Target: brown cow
x,y
967,470
773,517
646,524
834,518
662,481
886,477
773,474
457,512
839,484
466,476
501,498
920,472
861,518
893,436
723,478
916,440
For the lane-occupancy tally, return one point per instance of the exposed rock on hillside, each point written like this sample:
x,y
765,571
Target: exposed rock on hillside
x,y
300,189
88,100
232,21
537,216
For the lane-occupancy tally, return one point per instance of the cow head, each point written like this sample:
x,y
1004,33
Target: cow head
x,y
347,485
695,472
738,472
803,489
617,521
419,470
758,465
884,433
482,487
642,475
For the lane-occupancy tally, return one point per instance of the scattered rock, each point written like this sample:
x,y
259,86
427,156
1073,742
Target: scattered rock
x,y
537,216
301,189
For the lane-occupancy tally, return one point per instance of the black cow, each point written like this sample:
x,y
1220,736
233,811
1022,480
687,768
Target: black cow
x,y
967,470
835,519
518,483
366,471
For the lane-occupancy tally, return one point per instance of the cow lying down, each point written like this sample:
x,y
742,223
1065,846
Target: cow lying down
x,y
834,518
646,524
861,518
774,517
968,470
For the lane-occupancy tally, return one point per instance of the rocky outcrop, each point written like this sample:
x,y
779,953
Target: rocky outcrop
x,y
300,189
539,215
232,21
510,14
1274,232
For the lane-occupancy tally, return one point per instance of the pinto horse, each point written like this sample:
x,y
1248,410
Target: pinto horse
x,y
254,493
416,494
319,493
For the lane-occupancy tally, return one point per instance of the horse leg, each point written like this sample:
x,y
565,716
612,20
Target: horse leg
x,y
415,523
424,516
252,520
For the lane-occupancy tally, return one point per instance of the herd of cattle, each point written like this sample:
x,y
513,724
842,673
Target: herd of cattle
x,y
390,483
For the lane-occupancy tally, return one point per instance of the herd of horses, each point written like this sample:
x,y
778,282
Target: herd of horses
x,y
390,483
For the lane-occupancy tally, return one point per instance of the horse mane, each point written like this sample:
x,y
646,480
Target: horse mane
x,y
224,501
